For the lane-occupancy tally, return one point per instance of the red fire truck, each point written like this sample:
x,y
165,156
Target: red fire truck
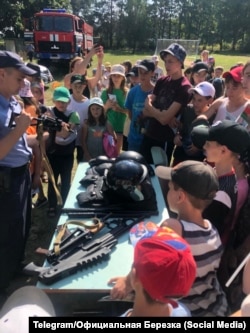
x,y
59,35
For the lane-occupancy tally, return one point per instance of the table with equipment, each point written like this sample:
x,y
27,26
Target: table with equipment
x,y
86,291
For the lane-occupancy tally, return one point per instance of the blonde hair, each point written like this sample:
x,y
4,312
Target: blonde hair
x,y
73,62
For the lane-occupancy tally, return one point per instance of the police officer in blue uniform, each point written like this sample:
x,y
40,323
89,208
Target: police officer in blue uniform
x,y
15,155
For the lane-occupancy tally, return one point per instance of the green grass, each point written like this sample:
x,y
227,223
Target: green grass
x,y
43,228
225,60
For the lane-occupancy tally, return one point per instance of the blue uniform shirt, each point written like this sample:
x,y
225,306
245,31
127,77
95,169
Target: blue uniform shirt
x,y
20,153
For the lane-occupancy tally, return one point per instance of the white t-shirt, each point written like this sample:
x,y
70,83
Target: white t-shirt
x,y
223,113
157,74
82,109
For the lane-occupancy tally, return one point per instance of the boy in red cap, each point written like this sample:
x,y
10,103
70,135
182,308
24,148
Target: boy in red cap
x,y
163,270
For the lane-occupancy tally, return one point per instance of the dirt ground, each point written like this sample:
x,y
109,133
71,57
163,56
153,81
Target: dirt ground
x,y
41,234
42,230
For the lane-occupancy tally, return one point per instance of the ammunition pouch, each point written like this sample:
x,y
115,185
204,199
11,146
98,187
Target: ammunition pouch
x,y
93,194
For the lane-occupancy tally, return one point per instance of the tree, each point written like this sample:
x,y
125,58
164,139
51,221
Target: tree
x,y
30,7
137,24
10,13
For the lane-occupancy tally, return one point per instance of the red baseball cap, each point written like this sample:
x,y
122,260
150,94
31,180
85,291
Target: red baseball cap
x,y
235,73
164,264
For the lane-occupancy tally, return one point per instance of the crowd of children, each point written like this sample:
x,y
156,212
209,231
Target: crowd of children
x,y
212,125
199,117
154,109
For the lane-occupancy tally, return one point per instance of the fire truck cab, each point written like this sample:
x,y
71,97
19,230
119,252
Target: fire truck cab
x,y
59,35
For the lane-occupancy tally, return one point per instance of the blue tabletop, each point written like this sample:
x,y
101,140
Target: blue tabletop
x,y
96,277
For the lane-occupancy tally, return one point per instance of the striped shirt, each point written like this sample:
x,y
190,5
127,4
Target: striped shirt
x,y
206,297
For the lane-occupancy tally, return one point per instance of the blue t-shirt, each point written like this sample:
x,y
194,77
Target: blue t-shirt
x,y
135,103
20,153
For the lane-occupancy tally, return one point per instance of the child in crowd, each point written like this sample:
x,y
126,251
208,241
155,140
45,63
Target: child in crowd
x,y
37,89
204,56
133,76
114,98
188,73
38,93
79,103
31,107
165,104
158,72
30,104
134,79
202,97
163,270
135,103
246,78
199,73
60,150
78,65
192,187
218,82
37,79
211,64
225,143
105,76
96,91
233,105
93,129
128,66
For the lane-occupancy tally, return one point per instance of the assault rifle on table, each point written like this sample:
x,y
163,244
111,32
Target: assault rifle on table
x,y
115,210
89,252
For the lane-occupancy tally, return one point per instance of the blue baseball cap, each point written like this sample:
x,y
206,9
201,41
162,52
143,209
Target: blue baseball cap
x,y
177,51
11,59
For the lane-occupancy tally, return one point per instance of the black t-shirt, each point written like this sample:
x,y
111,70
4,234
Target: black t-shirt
x,y
52,146
221,211
167,91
